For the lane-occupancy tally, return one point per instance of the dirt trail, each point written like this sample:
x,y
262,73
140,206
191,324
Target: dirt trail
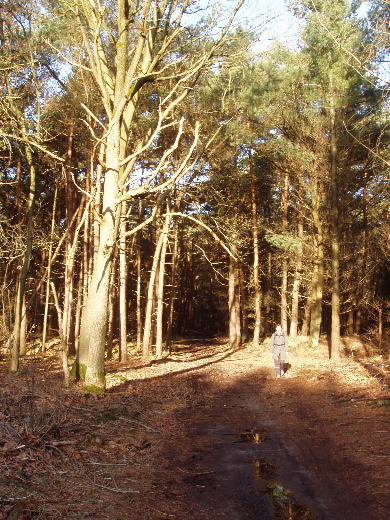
x,y
308,446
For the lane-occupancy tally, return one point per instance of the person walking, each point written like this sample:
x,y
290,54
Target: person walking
x,y
279,350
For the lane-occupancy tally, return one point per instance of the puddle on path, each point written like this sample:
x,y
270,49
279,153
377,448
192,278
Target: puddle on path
x,y
251,436
285,505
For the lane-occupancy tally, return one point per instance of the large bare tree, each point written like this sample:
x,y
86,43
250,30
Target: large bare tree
x,y
131,47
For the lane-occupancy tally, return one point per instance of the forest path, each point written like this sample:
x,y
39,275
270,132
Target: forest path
x,y
308,446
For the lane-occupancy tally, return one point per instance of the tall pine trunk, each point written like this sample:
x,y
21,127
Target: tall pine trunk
x,y
318,277
283,317
160,288
335,332
297,283
234,305
122,288
150,303
256,274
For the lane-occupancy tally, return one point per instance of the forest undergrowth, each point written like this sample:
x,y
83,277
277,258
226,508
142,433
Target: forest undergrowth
x,y
66,453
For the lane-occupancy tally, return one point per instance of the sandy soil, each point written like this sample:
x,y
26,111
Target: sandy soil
x,y
207,433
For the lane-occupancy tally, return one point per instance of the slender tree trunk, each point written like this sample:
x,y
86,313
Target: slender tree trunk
x,y
63,345
160,288
307,317
268,299
297,283
335,332
70,197
111,312
97,205
68,315
380,324
172,295
14,365
139,293
23,328
318,281
123,288
151,297
79,305
256,274
358,317
234,305
48,279
284,321
242,311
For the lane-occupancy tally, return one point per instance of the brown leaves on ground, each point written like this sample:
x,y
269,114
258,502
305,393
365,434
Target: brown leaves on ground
x,y
66,454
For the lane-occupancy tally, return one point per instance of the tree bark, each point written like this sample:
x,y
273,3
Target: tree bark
x,y
14,363
335,332
318,277
151,297
297,283
49,265
172,295
93,328
123,288
283,317
160,288
256,274
234,305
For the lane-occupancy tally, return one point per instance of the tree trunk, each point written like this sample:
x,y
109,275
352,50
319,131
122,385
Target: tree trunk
x,y
297,284
243,304
172,295
48,279
93,328
380,324
151,297
111,313
256,274
23,328
234,305
14,364
283,317
318,281
160,288
123,288
307,317
335,328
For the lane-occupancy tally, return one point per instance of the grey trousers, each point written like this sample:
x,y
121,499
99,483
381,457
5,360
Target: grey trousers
x,y
279,366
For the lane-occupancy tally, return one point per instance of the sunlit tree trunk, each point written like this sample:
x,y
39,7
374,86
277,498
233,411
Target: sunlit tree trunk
x,y
112,300
48,279
160,288
172,295
318,275
297,283
139,292
14,364
93,328
234,305
243,304
335,332
123,288
283,317
151,297
256,274
23,328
